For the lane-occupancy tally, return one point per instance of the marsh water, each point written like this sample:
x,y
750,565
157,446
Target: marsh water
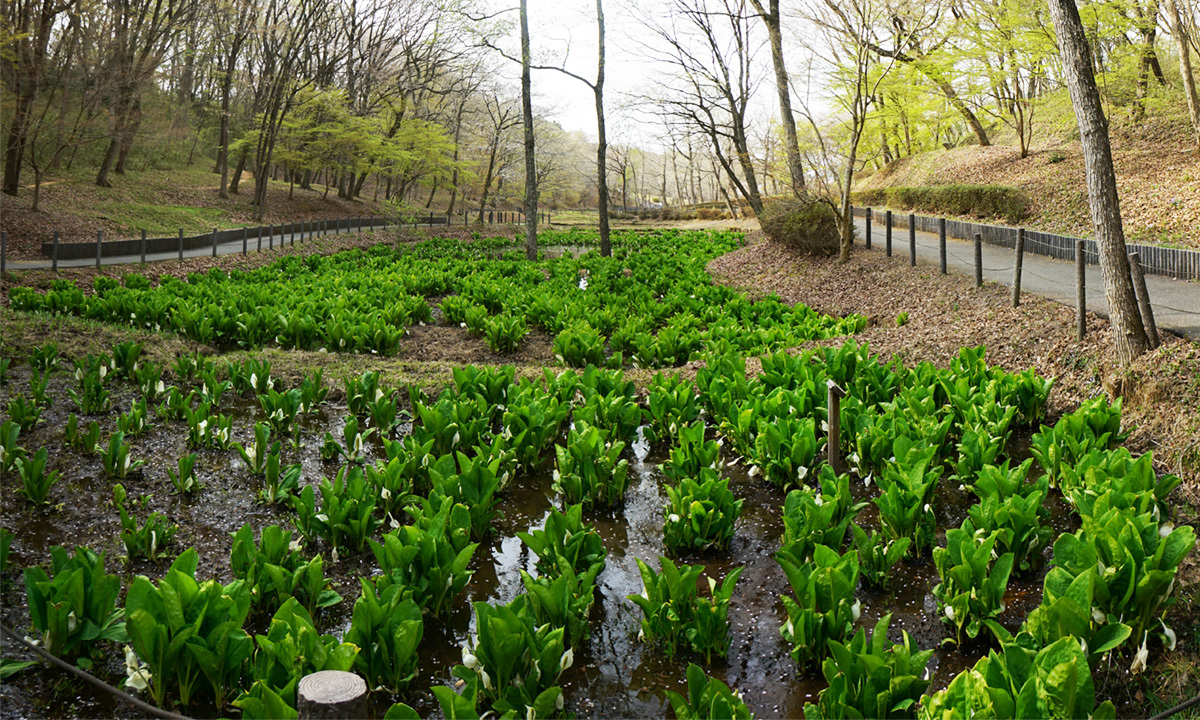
x,y
614,674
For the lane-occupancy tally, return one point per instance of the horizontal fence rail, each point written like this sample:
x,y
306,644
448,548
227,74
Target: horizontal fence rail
x,y
1168,262
174,243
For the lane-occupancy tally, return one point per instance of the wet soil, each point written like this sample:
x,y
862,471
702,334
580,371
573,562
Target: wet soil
x,y
614,674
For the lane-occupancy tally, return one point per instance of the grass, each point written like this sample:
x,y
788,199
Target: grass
x,y
164,219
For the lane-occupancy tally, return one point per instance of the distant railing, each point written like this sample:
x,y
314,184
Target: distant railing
x,y
1169,262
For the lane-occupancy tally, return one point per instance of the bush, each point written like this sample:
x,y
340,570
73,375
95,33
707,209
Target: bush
x,y
981,201
711,214
807,225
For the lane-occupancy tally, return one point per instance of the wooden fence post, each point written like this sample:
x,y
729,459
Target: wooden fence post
x,y
54,255
99,240
214,242
271,236
833,407
1080,291
143,246
942,244
3,251
1018,258
888,232
870,213
180,244
978,260
1143,298
912,240
245,239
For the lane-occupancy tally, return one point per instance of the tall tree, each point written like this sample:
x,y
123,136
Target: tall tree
x,y
26,29
142,33
597,88
234,22
770,18
1129,335
711,53
1183,45
531,184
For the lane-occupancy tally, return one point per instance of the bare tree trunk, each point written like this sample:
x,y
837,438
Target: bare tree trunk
x,y
531,183
791,144
601,140
1129,334
1182,41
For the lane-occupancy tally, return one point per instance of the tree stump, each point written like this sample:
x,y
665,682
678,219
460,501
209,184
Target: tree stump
x,y
331,695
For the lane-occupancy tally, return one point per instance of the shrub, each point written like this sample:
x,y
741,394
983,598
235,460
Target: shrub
x,y
807,225
982,201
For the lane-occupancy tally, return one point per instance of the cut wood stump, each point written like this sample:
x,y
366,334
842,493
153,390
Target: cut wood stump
x,y
331,695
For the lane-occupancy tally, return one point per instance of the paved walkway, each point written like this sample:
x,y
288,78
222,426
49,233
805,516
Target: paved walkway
x,y
232,247
1176,303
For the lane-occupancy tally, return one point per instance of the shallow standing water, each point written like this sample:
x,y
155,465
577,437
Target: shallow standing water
x,y
614,675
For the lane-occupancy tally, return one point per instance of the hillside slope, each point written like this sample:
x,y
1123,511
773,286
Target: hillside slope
x,y
1158,177
161,202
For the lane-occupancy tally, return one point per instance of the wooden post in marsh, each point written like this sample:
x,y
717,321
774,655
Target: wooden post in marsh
x,y
143,246
870,212
1143,298
978,260
912,240
888,232
942,244
1018,258
180,244
54,254
1080,291
833,408
331,695
214,242
99,240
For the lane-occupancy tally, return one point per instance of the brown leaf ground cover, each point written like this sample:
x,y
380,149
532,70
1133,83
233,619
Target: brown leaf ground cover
x,y
1158,178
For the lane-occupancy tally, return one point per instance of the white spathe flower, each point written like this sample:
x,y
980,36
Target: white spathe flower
x,y
1166,529
487,680
558,702
333,557
568,659
673,518
1083,646
159,387
385,493
393,523
295,545
153,543
73,622
753,471
253,380
950,612
378,394
802,472
1139,660
1171,640
1098,616
457,437
557,476
856,610
138,675
202,428
468,659
103,371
